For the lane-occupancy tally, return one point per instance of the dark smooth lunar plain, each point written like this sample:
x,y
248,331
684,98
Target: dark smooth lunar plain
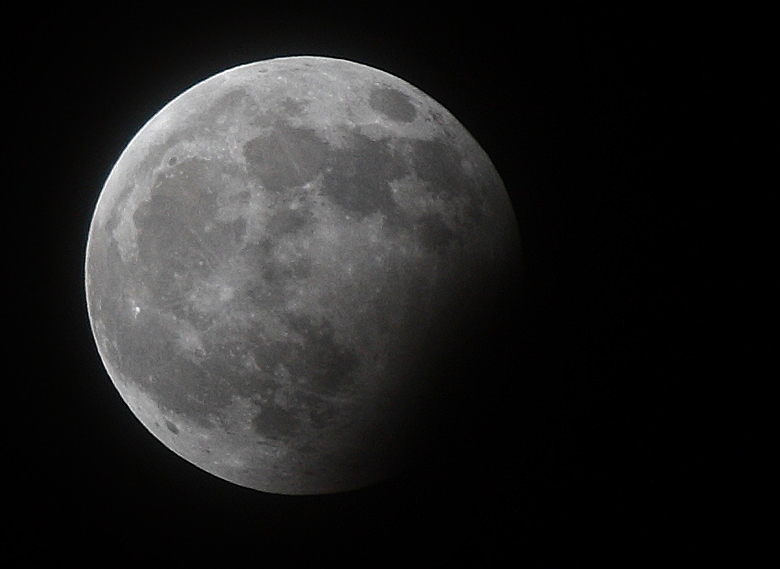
x,y
277,263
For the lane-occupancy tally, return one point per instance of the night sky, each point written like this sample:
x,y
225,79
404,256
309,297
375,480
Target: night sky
x,y
583,436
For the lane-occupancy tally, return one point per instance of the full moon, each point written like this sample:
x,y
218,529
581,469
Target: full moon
x,y
280,264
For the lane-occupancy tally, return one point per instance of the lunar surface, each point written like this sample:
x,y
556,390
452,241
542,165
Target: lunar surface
x,y
277,262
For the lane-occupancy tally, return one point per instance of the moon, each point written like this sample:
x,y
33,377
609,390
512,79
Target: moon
x,y
281,261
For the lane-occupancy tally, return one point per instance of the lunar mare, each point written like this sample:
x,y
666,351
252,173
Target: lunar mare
x,y
272,264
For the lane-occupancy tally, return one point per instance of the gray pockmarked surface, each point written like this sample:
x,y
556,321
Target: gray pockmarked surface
x,y
272,258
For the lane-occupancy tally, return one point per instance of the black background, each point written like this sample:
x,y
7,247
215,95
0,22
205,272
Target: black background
x,y
583,437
